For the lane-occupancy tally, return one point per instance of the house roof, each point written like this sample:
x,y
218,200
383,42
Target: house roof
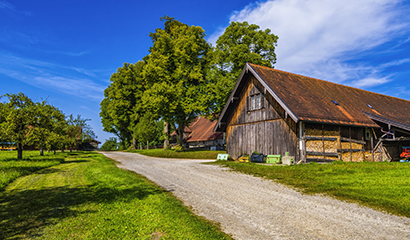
x,y
313,100
202,130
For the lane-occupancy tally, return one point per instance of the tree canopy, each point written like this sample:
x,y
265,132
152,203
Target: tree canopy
x,y
19,119
182,77
240,43
24,122
121,106
110,144
175,73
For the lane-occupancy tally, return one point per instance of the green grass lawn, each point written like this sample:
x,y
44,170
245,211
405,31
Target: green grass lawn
x,y
11,169
187,154
382,186
88,197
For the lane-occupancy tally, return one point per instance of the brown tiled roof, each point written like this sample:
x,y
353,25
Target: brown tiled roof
x,y
312,99
202,130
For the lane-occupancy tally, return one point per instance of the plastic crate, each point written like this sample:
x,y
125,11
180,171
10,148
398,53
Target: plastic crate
x,y
273,159
222,157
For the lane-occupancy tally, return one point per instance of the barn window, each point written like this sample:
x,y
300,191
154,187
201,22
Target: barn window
x,y
255,102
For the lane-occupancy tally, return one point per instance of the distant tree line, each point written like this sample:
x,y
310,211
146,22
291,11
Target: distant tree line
x,y
25,122
182,77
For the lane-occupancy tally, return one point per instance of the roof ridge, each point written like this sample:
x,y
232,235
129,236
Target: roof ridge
x,y
303,76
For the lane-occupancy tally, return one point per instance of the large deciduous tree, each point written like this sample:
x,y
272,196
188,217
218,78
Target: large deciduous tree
x,y
19,119
182,77
120,108
110,144
175,72
146,129
240,43
48,120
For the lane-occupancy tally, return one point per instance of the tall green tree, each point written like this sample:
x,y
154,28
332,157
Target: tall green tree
x,y
110,144
121,107
175,72
19,119
48,119
146,129
240,43
79,129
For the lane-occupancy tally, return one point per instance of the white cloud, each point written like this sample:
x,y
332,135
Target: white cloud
x,y
6,5
52,77
318,37
370,82
395,63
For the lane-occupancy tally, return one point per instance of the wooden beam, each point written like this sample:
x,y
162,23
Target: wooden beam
x,y
320,138
343,139
319,160
328,154
350,150
350,141
323,141
302,142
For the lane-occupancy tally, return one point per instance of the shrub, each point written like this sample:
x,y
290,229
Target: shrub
x,y
178,148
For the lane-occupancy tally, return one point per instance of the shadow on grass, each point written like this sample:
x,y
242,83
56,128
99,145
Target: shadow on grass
x,y
23,211
74,161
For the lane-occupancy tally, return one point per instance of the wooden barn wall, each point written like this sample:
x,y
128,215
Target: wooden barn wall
x,y
266,130
267,137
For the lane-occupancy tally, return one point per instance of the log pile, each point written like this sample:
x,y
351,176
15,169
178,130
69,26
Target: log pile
x,y
329,146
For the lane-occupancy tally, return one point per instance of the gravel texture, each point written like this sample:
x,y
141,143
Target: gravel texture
x,y
254,208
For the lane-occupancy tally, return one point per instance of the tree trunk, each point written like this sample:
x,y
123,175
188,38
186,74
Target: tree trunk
x,y
41,150
140,145
134,143
166,135
180,134
19,150
147,144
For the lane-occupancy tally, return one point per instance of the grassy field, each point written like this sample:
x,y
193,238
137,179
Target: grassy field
x,y
88,197
11,169
382,186
187,154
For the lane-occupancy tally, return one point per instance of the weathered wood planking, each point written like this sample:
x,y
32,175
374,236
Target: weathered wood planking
x,y
269,137
265,130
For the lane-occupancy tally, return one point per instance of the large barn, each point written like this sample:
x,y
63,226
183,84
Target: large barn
x,y
274,112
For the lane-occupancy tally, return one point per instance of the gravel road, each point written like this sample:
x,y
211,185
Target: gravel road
x,y
253,208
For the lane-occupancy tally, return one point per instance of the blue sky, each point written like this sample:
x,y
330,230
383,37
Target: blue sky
x,y
66,51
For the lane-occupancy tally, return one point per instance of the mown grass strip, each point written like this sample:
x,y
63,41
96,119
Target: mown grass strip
x,y
88,197
382,186
11,168
187,154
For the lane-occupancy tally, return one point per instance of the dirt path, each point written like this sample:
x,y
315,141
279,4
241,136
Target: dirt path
x,y
253,208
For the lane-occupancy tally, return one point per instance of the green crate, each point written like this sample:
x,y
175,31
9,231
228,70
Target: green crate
x,y
273,159
222,157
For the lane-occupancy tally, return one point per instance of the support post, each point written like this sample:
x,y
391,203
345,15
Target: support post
x,y
372,143
350,141
302,143
323,141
